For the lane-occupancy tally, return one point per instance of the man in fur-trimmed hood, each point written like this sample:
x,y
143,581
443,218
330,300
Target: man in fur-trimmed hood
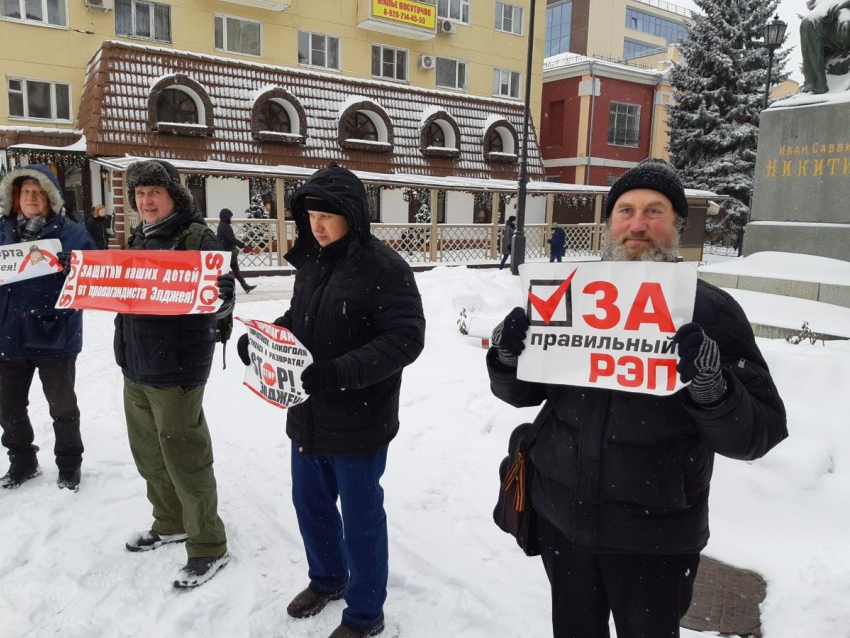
x,y
34,335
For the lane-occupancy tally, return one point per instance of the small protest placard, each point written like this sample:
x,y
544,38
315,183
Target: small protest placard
x,y
19,262
148,282
277,361
606,324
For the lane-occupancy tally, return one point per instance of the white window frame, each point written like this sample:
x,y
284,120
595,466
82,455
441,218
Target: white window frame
x,y
309,62
152,37
497,83
462,7
618,114
43,22
53,104
516,25
396,51
465,86
224,18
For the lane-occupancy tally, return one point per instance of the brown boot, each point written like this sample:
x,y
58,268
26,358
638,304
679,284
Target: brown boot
x,y
347,632
310,602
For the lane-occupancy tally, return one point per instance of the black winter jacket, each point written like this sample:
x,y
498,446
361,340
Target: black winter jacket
x,y
625,472
355,303
225,235
161,350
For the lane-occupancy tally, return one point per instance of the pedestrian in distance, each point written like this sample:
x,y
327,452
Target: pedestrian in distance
x,y
621,480
557,243
356,308
99,225
34,335
166,362
228,240
507,239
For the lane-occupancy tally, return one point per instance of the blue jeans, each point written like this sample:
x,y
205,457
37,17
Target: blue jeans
x,y
504,259
553,257
348,552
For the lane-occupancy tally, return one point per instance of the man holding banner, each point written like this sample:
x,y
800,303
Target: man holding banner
x,y
166,361
34,335
357,309
621,472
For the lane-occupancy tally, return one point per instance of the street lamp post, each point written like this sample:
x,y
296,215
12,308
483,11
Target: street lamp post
x,y
518,241
774,34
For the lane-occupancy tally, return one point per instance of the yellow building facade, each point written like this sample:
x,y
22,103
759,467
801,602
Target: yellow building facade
x,y
476,47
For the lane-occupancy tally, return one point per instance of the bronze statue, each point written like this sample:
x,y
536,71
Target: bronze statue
x,y
825,44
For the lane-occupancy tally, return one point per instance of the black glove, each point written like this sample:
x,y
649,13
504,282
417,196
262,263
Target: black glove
x,y
318,376
508,337
65,261
699,363
242,349
226,288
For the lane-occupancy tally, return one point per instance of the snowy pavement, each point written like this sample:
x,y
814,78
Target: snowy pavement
x,y
64,570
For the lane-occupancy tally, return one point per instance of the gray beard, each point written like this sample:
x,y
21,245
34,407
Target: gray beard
x,y
613,251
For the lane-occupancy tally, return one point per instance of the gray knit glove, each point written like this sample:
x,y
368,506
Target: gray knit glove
x,y
699,363
508,337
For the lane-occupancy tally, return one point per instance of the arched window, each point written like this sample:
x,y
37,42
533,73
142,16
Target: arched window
x,y
434,135
439,135
364,125
272,116
277,116
359,126
174,105
179,105
494,142
500,142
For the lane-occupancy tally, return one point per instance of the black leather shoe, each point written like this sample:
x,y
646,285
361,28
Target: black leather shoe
x,y
310,602
249,288
69,479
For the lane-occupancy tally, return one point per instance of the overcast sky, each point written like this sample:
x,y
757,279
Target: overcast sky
x,y
788,10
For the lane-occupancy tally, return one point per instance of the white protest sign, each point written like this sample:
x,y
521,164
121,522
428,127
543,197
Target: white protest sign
x,y
606,324
19,262
277,361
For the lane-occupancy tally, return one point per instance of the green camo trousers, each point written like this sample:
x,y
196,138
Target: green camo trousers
x,y
172,448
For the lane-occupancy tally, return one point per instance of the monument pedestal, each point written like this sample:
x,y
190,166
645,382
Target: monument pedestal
x,y
801,192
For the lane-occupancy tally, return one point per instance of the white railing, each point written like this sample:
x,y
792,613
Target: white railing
x,y
454,243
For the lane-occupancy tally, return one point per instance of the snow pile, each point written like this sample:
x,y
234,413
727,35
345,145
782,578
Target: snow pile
x,y
64,570
792,266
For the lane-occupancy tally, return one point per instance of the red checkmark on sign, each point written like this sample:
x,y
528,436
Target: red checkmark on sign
x,y
546,307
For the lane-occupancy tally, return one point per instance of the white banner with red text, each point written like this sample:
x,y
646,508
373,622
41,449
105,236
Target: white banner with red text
x,y
606,324
19,262
277,361
145,282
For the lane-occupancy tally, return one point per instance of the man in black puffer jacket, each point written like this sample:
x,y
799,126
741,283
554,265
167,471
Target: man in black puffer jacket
x,y
166,362
621,482
356,308
228,240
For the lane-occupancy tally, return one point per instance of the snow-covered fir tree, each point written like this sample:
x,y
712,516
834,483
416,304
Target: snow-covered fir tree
x,y
719,89
256,210
423,215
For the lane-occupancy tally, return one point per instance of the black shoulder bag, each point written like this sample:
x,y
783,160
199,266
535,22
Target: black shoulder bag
x,y
514,513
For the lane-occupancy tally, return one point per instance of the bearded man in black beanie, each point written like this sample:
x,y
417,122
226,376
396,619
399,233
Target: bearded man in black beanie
x,y
621,480
357,310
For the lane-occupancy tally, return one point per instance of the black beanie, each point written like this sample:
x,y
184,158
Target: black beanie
x,y
653,174
320,205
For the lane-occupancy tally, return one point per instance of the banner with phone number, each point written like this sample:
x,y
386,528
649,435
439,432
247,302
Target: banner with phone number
x,y
147,282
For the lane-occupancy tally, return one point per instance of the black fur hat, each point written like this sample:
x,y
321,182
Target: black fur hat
x,y
653,174
157,173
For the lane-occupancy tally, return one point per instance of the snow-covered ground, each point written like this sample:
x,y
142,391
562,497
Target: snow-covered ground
x,y
64,571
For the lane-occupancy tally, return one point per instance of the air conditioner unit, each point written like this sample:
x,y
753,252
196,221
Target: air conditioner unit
x,y
446,26
100,5
427,62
